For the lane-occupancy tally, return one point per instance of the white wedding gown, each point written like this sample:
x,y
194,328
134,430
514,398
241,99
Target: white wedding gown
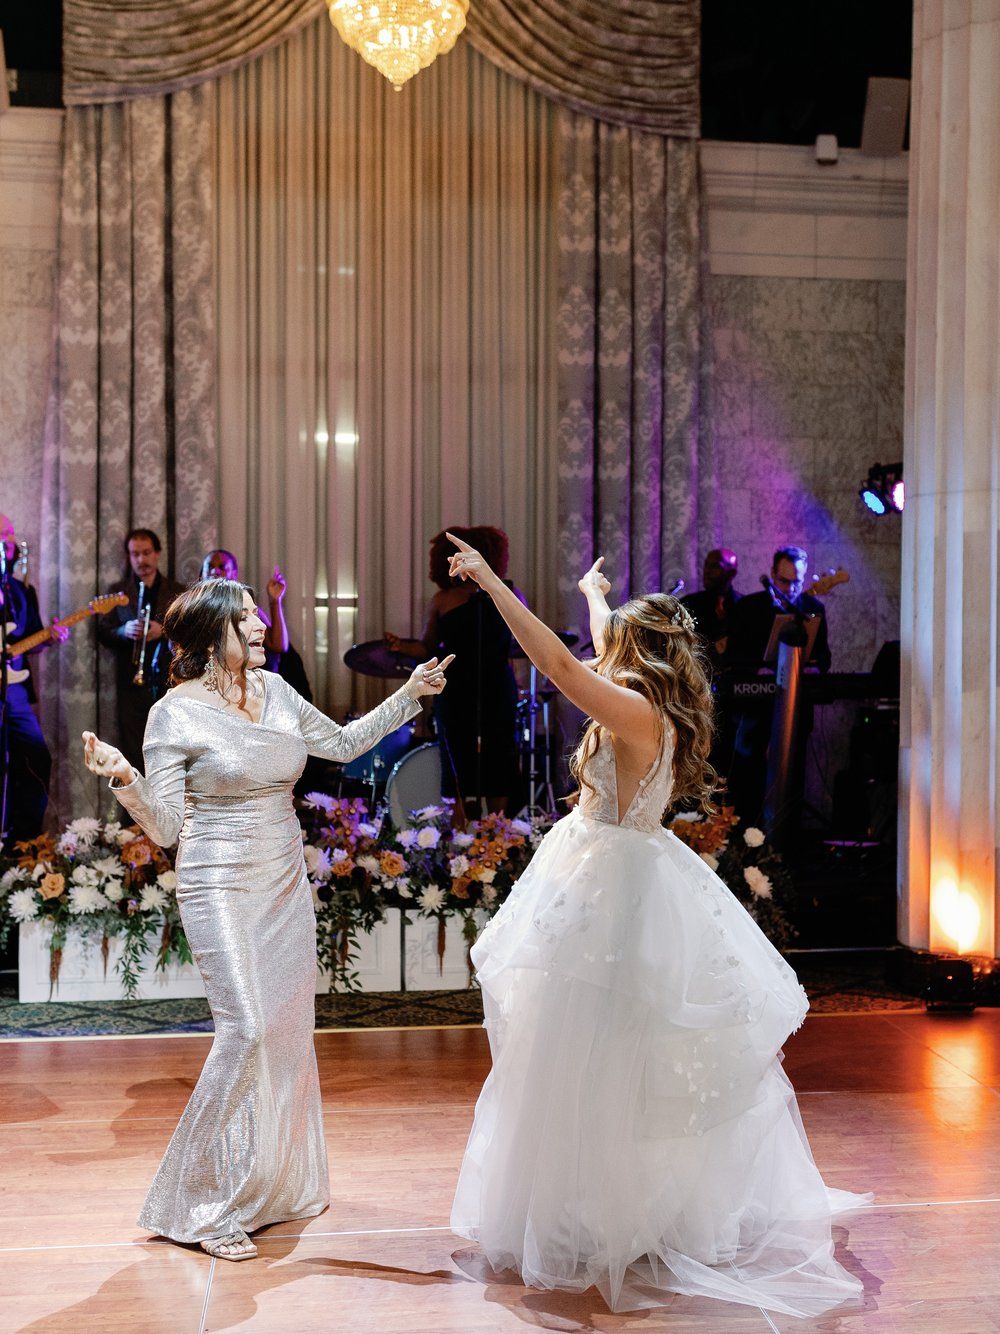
x,y
637,1131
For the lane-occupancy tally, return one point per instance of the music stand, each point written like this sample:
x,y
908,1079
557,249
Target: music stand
x,y
784,622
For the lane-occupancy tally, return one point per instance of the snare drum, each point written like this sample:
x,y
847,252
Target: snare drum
x,y
375,765
415,782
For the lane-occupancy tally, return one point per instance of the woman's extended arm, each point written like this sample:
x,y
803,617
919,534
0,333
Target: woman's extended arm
x,y
624,712
595,588
331,741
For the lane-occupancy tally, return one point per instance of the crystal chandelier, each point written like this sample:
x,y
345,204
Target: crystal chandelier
x,y
399,37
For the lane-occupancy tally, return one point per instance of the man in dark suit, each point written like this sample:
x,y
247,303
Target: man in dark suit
x,y
713,604
122,630
749,632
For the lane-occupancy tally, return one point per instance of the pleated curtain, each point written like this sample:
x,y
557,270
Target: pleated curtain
x,y
387,271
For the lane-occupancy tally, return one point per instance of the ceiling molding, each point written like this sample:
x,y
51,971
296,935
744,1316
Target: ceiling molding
x,y
31,144
777,178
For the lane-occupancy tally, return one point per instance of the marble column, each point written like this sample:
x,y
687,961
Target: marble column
x,y
951,581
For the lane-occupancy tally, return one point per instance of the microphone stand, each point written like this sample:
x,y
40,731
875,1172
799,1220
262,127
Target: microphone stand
x,y
781,748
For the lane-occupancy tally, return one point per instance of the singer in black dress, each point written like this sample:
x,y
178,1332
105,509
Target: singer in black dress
x,y
477,723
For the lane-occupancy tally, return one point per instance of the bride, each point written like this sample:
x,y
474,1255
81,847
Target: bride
x,y
637,1132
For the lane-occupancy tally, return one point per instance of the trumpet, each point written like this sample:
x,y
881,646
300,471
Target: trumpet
x,y
139,651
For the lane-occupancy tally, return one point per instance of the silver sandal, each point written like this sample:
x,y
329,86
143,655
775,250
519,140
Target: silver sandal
x,y
215,1246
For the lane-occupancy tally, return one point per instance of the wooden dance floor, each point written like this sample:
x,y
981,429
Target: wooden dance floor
x,y
906,1105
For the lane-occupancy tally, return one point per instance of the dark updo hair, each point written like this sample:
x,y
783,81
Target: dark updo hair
x,y
207,563
197,624
491,543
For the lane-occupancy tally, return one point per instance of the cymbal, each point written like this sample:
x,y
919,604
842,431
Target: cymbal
x,y
567,637
375,658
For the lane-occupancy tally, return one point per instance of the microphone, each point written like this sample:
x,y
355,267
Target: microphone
x,y
677,588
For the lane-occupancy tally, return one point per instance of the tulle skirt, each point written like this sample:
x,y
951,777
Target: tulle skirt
x,y
637,1132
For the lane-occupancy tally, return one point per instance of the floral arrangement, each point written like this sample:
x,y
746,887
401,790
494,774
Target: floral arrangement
x,y
750,867
102,880
437,868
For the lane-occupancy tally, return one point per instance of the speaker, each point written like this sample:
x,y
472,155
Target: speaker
x,y
884,125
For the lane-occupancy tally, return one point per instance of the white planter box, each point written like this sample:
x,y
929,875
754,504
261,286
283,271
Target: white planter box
x,y
377,961
377,964
81,975
424,970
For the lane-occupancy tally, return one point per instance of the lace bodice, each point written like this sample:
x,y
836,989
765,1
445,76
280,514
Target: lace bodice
x,y
600,800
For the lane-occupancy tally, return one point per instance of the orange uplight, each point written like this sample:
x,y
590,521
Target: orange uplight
x,y
957,914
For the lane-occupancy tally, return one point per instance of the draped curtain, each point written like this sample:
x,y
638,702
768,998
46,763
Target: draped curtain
x,y
432,303
130,431
387,293
629,356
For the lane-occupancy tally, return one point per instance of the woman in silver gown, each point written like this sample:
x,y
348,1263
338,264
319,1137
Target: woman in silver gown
x,y
223,750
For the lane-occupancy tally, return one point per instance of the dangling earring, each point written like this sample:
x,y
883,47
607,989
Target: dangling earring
x,y
211,678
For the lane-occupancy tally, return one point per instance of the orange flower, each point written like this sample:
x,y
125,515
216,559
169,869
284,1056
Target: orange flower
x,y
392,863
460,887
52,885
41,849
343,868
137,852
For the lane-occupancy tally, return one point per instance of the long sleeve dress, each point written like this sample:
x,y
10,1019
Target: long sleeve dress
x,y
249,1148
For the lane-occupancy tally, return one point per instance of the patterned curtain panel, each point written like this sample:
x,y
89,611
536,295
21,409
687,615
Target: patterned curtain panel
x,y
628,357
136,48
130,436
631,62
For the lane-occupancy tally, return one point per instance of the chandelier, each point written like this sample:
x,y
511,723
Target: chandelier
x,y
399,37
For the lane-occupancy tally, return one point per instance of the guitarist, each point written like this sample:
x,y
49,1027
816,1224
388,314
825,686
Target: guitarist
x,y
749,632
27,763
138,649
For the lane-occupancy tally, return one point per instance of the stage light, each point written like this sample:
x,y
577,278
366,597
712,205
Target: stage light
x,y
882,490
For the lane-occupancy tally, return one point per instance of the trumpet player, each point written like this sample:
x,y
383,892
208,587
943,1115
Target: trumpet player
x,y
135,635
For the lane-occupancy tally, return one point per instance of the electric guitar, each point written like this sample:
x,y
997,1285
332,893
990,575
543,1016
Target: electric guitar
x,y
96,607
826,583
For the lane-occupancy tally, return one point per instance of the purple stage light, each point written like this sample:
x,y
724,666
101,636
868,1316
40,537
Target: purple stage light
x,y
897,495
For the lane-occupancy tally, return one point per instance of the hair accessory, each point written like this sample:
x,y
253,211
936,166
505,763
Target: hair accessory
x,y
684,619
211,678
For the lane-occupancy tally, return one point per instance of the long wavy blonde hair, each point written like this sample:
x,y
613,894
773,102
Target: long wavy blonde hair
x,y
650,646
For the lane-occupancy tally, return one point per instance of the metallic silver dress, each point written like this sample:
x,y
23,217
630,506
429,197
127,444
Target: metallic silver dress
x,y
249,1149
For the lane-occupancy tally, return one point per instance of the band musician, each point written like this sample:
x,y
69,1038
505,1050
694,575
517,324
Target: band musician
x,y
134,633
28,763
749,632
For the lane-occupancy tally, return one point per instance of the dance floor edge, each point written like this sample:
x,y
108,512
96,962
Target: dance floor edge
x,y
903,1104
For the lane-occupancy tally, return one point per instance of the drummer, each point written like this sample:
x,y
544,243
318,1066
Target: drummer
x,y
477,715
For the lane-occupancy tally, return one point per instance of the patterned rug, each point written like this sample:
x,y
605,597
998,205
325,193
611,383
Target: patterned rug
x,y
834,986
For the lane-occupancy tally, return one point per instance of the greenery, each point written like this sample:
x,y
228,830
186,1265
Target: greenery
x,y
751,869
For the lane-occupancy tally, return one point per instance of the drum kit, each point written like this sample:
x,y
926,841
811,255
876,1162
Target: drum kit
x,y
409,776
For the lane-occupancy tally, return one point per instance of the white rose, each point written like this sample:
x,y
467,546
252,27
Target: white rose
x,y
758,881
488,875
752,837
428,838
84,875
167,880
711,862
458,865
